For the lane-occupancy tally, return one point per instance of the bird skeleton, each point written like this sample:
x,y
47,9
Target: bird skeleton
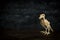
x,y
45,24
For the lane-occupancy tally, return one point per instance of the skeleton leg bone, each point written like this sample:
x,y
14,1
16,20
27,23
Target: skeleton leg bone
x,y
45,32
49,29
48,32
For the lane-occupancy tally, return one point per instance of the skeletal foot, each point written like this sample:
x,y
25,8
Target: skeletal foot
x,y
45,32
48,33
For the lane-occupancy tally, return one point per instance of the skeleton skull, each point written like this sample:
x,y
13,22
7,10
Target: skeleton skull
x,y
42,16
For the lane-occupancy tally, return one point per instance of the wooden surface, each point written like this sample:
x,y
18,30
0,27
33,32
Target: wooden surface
x,y
9,34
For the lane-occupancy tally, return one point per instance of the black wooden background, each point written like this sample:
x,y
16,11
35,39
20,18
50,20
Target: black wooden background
x,y
20,17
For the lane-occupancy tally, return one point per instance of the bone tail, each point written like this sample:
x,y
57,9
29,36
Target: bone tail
x,y
51,29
